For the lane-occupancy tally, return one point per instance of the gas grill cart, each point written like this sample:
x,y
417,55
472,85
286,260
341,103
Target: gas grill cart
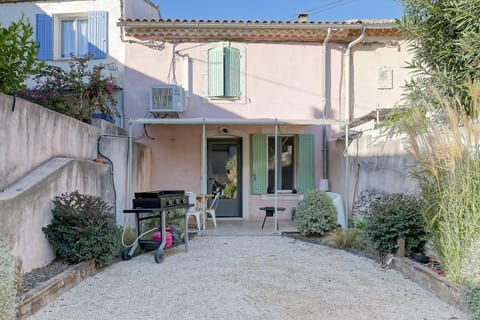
x,y
154,205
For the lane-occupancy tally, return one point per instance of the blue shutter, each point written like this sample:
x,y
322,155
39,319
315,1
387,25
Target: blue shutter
x,y
215,72
232,72
258,163
44,36
306,163
97,34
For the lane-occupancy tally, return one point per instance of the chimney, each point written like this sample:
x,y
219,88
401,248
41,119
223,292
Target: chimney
x,y
302,17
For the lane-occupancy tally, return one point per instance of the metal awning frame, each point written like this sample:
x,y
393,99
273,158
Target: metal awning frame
x,y
206,121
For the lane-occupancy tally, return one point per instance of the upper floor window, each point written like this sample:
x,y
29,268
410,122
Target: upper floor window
x,y
73,37
224,72
61,36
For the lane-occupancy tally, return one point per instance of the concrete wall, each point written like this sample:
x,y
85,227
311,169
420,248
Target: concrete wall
x,y
26,206
375,164
44,154
115,149
32,135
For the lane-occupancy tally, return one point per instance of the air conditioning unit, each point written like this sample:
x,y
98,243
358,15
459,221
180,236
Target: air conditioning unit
x,y
167,98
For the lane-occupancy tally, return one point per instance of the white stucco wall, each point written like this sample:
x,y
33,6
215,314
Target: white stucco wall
x,y
10,12
142,9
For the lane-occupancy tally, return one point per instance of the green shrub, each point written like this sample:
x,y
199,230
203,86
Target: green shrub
x,y
345,238
393,217
17,56
315,214
8,288
83,228
471,298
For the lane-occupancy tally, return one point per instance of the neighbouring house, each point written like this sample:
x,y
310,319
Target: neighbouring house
x,y
258,104
79,28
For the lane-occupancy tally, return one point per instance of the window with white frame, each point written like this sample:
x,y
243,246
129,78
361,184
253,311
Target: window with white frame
x,y
225,73
73,37
60,36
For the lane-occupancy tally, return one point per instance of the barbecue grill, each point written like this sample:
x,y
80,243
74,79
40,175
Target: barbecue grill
x,y
153,205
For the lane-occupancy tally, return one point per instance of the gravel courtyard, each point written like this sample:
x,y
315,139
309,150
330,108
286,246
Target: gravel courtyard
x,y
249,277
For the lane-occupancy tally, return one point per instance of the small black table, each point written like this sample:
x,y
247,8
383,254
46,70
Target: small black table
x,y
269,211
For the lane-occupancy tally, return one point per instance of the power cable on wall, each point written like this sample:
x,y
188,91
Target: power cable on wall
x,y
110,162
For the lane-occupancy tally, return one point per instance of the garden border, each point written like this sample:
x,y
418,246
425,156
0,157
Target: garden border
x,y
47,291
427,279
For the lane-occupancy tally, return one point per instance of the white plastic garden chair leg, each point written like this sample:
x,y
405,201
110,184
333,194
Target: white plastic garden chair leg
x,y
212,213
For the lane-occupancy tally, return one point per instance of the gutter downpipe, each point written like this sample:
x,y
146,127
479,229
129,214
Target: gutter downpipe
x,y
347,116
324,103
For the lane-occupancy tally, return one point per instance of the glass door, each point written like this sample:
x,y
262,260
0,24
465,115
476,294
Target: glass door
x,y
225,174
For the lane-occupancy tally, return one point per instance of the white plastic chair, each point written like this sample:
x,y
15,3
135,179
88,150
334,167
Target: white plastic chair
x,y
193,211
211,211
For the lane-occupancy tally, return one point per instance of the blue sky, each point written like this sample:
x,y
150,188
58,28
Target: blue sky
x,y
319,10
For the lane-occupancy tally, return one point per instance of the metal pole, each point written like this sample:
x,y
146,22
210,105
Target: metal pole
x,y
203,180
129,196
347,176
276,175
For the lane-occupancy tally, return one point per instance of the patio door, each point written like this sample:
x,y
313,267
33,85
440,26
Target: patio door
x,y
224,161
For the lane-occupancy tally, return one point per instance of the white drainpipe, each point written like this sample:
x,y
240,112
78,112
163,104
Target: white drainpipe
x,y
347,116
324,181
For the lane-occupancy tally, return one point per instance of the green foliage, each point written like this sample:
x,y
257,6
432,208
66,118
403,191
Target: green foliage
x,y
448,173
393,217
17,56
345,238
78,92
8,289
315,214
471,298
444,37
83,228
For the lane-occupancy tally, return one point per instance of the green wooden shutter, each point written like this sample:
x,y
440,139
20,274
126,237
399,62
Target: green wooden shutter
x,y
306,163
97,34
215,72
232,72
258,163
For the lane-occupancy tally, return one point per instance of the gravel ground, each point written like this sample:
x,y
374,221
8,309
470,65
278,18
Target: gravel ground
x,y
258,277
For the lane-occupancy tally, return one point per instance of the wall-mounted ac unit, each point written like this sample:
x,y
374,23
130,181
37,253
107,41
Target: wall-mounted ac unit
x,y
167,98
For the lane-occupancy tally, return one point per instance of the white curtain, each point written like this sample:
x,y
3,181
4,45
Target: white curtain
x,y
68,38
82,35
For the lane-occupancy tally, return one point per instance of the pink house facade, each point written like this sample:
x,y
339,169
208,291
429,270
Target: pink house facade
x,y
253,105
